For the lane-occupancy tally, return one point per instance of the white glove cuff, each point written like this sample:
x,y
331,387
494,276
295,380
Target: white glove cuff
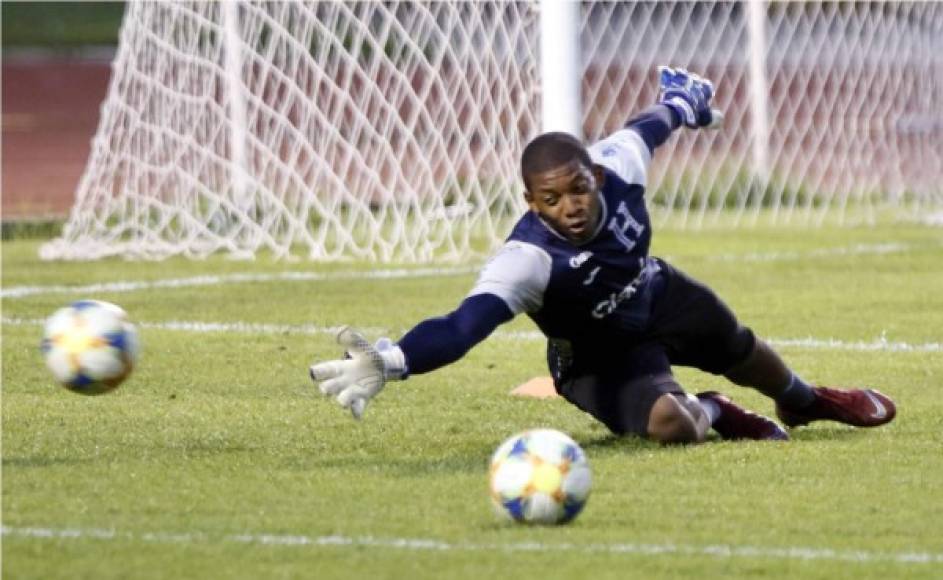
x,y
394,361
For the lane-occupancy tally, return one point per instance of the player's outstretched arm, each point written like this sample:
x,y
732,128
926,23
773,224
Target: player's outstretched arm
x,y
431,344
440,341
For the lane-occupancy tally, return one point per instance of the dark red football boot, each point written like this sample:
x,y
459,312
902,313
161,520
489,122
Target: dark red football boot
x,y
858,407
735,422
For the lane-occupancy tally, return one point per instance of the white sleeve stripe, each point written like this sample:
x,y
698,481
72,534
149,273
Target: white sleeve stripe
x,y
625,154
518,274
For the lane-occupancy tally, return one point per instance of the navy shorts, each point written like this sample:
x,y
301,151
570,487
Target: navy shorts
x,y
619,383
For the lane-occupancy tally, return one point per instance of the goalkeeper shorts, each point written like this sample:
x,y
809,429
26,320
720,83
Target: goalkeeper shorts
x,y
618,384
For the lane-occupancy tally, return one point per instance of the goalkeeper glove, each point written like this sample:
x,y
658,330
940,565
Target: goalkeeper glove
x,y
689,96
358,378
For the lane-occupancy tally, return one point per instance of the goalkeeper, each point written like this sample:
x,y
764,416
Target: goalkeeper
x,y
616,319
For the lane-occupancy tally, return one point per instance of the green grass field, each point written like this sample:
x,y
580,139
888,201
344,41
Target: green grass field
x,y
60,25
218,458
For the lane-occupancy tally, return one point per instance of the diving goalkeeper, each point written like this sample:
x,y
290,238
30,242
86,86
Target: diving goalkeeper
x,y
616,319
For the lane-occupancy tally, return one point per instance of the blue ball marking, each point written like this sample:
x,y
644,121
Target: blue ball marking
x,y
515,507
571,509
118,340
572,453
520,448
45,345
84,304
80,381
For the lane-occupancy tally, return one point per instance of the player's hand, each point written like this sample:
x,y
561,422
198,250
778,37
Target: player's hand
x,y
689,95
358,378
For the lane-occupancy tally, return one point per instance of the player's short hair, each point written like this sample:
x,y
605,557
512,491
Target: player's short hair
x,y
551,150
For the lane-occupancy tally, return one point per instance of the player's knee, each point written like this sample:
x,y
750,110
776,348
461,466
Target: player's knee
x,y
670,422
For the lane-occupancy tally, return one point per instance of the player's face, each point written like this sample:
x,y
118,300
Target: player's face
x,y
567,198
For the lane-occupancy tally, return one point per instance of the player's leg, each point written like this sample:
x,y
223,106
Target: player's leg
x,y
629,390
765,371
654,407
735,422
706,334
636,392
799,403
657,409
708,410
676,418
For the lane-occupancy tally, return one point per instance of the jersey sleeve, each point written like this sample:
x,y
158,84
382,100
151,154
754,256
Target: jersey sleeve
x,y
625,154
518,274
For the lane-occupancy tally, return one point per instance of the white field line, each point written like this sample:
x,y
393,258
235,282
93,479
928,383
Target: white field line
x,y
720,551
243,278
853,250
880,344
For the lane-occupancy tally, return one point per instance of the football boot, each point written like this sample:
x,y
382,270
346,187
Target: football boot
x,y
858,407
735,422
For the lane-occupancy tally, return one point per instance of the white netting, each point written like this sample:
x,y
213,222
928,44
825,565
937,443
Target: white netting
x,y
392,130
374,130
852,96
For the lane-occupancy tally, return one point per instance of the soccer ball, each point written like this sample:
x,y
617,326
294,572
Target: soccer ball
x,y
90,346
539,477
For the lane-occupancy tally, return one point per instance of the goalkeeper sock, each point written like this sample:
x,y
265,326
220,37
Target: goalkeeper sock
x,y
711,409
798,395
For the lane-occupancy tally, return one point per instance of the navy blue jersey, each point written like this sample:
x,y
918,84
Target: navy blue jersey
x,y
600,290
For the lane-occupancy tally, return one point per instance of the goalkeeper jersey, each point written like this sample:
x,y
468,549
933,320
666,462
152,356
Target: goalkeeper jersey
x,y
596,291
585,296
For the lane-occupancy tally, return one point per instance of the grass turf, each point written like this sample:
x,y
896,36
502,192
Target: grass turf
x,y
218,441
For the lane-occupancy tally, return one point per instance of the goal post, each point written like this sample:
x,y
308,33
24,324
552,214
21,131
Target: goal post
x,y
560,70
392,130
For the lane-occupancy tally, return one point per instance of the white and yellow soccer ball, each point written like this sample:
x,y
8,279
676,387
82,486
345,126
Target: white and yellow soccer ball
x,y
540,476
90,346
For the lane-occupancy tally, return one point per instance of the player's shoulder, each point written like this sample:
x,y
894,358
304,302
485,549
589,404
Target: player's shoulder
x,y
518,273
521,255
625,154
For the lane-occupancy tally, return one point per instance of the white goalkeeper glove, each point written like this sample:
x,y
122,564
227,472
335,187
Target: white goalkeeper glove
x,y
690,96
358,378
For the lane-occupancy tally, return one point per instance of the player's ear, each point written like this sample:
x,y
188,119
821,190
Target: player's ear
x,y
528,196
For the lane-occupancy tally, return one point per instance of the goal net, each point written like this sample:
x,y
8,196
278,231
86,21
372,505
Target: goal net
x,y
393,130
